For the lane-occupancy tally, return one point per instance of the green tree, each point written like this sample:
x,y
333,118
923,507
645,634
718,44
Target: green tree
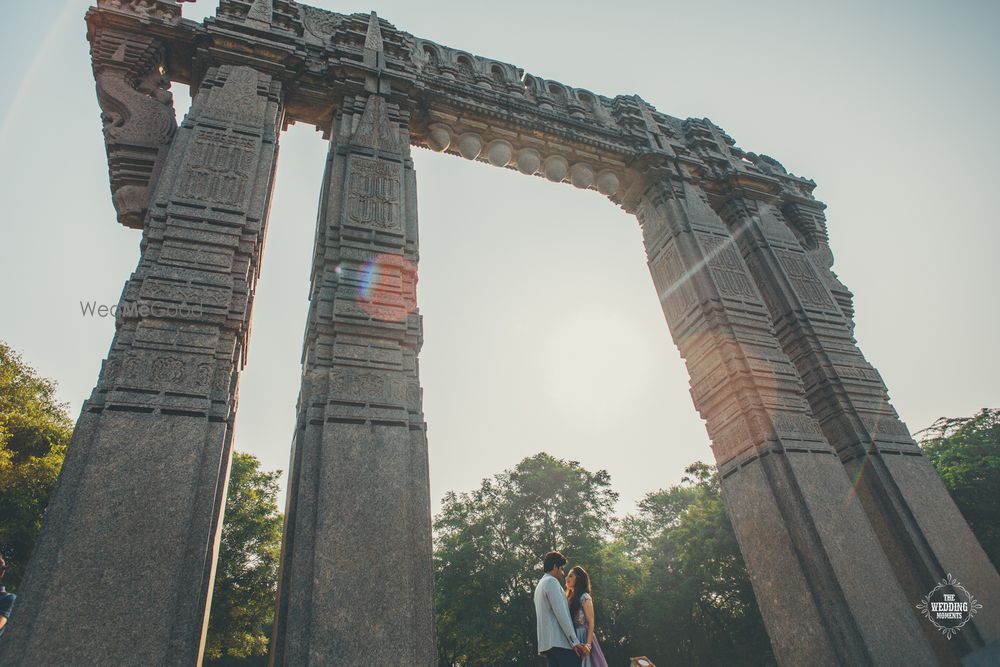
x,y
488,549
34,432
695,605
246,576
966,453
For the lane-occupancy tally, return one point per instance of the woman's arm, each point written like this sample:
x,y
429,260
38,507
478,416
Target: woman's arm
x,y
588,612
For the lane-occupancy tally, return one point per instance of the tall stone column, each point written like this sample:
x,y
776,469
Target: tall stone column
x,y
355,585
824,586
122,571
920,528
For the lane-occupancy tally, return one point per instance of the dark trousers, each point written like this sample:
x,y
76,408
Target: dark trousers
x,y
563,657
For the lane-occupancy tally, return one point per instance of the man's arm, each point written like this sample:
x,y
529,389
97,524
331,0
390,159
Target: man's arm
x,y
554,594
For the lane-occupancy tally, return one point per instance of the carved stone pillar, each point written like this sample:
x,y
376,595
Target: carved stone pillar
x,y
920,528
123,568
824,586
355,585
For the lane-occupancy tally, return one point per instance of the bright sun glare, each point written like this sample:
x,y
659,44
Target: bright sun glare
x,y
595,364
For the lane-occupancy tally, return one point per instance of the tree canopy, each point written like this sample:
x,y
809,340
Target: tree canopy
x,y
966,453
489,547
667,582
694,604
35,429
246,576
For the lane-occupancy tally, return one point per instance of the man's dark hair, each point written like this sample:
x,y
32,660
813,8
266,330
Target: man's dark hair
x,y
553,559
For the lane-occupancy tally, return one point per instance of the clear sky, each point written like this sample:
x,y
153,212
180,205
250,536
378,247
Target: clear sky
x,y
542,327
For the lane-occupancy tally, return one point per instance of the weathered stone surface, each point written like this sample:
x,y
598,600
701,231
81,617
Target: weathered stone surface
x,y
123,568
784,242
739,254
356,562
984,657
824,585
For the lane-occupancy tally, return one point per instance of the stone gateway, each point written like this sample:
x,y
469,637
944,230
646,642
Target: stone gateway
x,y
843,522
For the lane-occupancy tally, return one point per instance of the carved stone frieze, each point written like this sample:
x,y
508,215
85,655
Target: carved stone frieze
x,y
164,10
319,23
220,168
373,194
727,267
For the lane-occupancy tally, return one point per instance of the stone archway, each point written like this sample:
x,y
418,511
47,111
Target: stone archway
x,y
842,521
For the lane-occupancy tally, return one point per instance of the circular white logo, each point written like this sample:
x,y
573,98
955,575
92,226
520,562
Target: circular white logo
x,y
949,606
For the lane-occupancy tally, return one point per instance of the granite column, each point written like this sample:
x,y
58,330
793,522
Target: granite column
x,y
355,584
123,568
824,586
918,524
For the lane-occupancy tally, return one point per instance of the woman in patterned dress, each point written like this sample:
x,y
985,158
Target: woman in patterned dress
x,y
581,610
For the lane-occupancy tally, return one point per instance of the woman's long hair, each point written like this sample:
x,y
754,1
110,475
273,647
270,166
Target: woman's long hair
x,y
581,585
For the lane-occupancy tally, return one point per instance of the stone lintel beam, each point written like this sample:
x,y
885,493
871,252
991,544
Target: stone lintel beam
x,y
507,117
459,103
177,35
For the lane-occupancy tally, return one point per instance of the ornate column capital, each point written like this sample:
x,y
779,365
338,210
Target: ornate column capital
x,y
138,114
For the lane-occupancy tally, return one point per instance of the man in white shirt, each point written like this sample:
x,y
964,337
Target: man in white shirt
x,y
556,636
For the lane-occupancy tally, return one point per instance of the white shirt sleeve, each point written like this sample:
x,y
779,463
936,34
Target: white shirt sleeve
x,y
554,594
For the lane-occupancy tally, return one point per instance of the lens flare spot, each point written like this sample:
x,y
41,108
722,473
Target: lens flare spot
x,y
386,288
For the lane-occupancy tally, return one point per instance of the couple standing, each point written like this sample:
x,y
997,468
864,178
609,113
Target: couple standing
x,y
566,618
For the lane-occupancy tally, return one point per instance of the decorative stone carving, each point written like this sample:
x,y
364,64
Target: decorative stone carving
x,y
470,145
581,176
803,276
373,36
373,194
138,117
320,23
677,296
528,161
262,11
439,137
727,267
555,167
164,10
499,153
156,288
375,130
238,99
168,369
220,168
608,182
